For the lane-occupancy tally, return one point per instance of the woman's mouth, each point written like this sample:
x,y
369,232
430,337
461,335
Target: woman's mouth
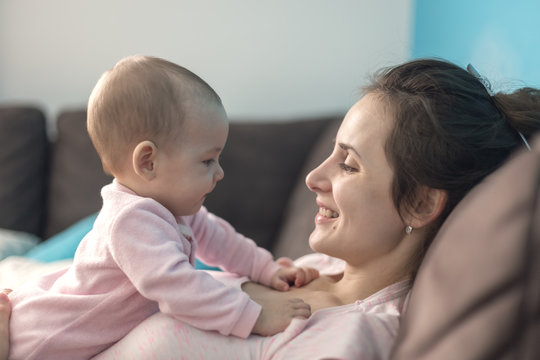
x,y
327,213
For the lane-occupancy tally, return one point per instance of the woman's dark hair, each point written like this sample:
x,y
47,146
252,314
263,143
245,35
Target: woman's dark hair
x,y
449,132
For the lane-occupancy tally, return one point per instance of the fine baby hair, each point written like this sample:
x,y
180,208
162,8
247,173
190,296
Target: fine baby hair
x,y
141,98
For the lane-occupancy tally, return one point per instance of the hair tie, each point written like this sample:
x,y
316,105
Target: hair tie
x,y
480,78
484,81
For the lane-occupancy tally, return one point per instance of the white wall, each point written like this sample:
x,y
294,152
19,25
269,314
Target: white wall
x,y
281,58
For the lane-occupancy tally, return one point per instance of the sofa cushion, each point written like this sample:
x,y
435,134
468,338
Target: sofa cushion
x,y
24,142
262,162
477,293
76,174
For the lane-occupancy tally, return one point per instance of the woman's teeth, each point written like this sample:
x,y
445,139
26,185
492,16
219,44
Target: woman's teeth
x,y
328,213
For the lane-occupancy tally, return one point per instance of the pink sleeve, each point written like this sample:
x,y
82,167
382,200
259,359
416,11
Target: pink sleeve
x,y
146,245
220,245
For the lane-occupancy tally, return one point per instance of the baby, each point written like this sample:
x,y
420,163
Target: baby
x,y
159,130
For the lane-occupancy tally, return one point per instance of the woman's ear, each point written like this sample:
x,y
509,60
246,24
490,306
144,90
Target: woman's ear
x,y
429,205
144,159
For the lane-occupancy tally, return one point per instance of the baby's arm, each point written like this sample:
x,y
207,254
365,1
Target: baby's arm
x,y
146,247
219,244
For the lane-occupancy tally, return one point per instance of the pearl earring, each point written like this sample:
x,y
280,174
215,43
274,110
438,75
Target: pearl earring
x,y
408,229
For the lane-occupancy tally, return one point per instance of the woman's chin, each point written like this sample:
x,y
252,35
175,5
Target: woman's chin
x,y
315,241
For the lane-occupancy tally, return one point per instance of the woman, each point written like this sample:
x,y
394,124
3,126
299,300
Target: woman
x,y
424,133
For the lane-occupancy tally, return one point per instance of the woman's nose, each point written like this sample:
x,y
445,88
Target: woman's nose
x,y
317,179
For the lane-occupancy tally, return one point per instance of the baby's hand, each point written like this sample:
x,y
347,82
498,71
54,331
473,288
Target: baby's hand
x,y
292,275
276,315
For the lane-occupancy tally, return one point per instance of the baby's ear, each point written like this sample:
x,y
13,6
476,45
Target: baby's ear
x,y
144,159
429,205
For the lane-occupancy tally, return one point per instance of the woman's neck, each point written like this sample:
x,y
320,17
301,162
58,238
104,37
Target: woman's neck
x,y
359,283
366,277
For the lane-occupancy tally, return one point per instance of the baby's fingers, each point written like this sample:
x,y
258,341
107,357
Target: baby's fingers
x,y
305,276
300,277
285,262
280,285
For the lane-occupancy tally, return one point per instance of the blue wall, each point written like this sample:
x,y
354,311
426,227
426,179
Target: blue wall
x,y
500,38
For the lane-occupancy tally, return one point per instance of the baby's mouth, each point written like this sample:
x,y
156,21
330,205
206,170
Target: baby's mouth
x,y
328,213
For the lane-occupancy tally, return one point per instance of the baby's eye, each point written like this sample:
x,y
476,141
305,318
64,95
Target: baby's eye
x,y
209,162
348,169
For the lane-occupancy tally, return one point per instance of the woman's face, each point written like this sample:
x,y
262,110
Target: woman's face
x,y
357,220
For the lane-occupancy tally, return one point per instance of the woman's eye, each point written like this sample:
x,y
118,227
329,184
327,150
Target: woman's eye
x,y
347,168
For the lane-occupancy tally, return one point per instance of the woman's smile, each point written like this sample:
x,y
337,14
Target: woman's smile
x,y
325,214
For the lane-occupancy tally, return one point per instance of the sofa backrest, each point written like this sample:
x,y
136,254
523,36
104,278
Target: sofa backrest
x,y
76,174
23,169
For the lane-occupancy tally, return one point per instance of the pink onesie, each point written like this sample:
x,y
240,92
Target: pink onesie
x,y
137,260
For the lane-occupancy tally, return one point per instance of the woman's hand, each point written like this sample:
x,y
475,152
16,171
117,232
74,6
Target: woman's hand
x,y
291,275
5,312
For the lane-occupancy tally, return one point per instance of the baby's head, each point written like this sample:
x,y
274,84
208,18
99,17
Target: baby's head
x,y
159,130
142,98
